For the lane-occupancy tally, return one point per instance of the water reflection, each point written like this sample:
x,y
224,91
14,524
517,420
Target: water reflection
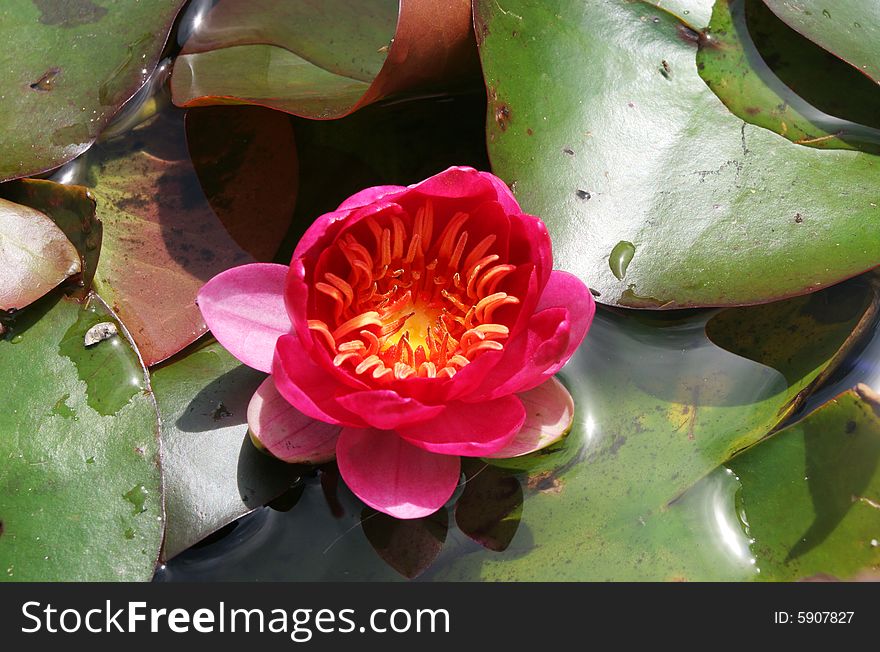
x,y
715,516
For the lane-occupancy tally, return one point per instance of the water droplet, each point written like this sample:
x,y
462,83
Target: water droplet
x,y
620,258
857,24
106,368
129,534
826,13
16,339
137,496
91,460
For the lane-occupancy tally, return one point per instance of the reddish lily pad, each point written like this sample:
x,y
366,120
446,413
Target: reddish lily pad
x,y
162,241
321,60
408,546
67,69
35,255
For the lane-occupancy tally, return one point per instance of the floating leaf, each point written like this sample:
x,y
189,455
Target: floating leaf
x,y
35,255
80,484
848,28
321,60
213,474
72,209
811,493
67,69
733,68
632,146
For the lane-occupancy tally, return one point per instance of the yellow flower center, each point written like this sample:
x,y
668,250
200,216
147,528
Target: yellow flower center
x,y
403,303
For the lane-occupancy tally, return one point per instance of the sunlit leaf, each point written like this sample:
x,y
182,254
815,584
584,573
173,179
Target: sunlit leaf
x,y
80,484
67,69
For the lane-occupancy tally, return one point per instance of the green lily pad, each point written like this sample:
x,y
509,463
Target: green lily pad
x,y
35,255
811,493
320,60
213,474
72,208
80,484
848,28
67,69
620,140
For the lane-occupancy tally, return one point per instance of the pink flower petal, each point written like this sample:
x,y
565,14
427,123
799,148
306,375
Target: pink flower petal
x,y
368,196
549,415
308,386
470,429
287,433
566,310
244,308
393,476
386,409
568,291
505,196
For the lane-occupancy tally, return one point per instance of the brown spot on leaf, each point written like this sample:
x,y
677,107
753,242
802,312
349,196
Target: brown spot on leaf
x,y
851,427
798,218
69,13
545,483
47,81
529,131
502,116
686,34
753,110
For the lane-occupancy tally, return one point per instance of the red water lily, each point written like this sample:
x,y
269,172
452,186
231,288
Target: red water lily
x,y
414,325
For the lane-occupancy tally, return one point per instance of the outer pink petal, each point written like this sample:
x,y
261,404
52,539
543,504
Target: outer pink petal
x,y
386,409
393,476
470,429
549,415
308,386
568,291
505,196
287,433
368,196
566,310
244,308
